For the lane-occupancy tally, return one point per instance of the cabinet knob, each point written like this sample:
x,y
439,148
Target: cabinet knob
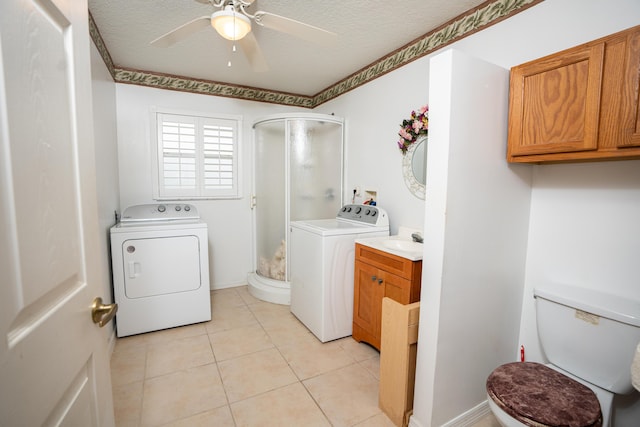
x,y
380,281
373,278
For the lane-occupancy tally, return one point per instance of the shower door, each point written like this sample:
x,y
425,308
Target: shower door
x,y
315,165
271,205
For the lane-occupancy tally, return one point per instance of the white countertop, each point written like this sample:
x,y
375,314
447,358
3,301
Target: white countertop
x,y
396,245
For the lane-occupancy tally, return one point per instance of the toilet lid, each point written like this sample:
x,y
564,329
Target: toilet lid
x,y
535,394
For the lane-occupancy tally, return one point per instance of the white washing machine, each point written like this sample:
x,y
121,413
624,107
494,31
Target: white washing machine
x,y
322,257
160,259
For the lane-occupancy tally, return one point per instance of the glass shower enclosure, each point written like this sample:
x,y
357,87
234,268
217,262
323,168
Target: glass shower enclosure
x,y
298,175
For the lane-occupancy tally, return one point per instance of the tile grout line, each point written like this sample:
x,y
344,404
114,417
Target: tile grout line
x,y
144,381
226,394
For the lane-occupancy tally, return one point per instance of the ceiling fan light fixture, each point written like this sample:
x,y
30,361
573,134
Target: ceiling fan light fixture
x,y
230,24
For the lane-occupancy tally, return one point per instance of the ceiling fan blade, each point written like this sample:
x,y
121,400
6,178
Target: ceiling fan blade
x,y
182,32
252,51
296,28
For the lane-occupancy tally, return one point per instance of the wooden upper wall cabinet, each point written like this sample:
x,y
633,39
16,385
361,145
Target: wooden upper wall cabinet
x,y
581,104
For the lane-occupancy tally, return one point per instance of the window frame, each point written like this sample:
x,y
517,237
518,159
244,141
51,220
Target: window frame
x,y
199,119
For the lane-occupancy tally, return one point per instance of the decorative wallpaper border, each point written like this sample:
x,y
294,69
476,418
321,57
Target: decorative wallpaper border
x,y
489,13
474,20
207,87
94,33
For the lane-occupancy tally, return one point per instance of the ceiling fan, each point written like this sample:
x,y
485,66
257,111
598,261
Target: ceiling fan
x,y
233,22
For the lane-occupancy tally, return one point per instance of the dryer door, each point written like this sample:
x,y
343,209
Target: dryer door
x,y
161,265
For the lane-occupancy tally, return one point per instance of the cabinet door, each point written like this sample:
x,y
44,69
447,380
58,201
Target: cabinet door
x,y
630,100
371,285
367,298
555,103
396,288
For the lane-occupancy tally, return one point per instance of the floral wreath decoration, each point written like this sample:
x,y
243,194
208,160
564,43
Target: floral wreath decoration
x,y
412,128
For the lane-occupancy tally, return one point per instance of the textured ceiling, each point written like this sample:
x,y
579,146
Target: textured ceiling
x,y
367,31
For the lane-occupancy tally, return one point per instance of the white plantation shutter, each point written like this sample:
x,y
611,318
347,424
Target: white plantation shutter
x,y
218,145
177,148
197,157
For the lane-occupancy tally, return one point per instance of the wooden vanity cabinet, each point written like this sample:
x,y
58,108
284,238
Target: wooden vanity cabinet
x,y
378,274
581,104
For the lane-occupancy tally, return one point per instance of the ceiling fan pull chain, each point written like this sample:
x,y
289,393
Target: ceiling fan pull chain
x,y
233,50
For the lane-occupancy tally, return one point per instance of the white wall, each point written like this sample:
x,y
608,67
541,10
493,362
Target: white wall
x,y
373,114
584,231
476,224
106,152
229,221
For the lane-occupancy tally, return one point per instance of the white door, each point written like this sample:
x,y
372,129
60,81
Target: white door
x,y
54,367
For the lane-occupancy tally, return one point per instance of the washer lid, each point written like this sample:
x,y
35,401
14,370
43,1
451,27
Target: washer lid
x,y
159,212
333,227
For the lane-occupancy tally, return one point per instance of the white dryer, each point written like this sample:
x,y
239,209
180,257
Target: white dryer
x,y
322,258
160,259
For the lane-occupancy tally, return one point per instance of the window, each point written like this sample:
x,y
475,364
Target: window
x,y
197,157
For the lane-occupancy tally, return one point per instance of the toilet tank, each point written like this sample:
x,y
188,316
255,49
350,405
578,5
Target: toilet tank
x,y
590,334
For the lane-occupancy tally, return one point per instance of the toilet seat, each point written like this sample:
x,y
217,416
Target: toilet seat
x,y
536,395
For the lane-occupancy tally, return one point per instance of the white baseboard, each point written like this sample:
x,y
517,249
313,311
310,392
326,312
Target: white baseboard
x,y
467,419
220,286
413,422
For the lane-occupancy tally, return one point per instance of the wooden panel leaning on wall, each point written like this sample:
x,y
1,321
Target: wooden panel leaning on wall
x,y
398,351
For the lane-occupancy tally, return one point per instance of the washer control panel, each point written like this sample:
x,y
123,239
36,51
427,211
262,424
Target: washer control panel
x,y
364,213
159,212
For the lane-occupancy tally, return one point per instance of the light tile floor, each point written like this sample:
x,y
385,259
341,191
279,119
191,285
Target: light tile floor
x,y
253,364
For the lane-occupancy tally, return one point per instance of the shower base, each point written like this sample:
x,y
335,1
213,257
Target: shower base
x,y
265,289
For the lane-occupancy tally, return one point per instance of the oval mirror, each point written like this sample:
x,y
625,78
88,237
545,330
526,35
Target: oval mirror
x,y
414,166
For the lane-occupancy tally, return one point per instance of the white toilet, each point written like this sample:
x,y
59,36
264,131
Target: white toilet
x,y
590,340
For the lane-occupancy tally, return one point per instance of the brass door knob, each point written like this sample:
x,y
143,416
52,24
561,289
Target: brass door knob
x,y
102,313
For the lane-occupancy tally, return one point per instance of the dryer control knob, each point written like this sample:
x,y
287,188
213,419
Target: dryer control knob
x,y
358,209
178,208
187,208
162,208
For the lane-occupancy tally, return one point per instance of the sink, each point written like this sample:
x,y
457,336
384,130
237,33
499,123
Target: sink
x,y
403,245
395,245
